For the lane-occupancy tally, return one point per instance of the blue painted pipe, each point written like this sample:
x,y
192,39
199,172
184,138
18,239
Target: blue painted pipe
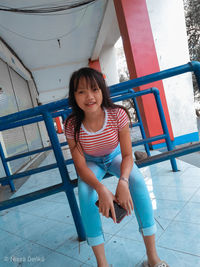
x,y
149,140
29,121
154,77
192,66
32,112
164,126
136,124
36,170
116,90
48,191
140,124
196,68
6,169
36,151
64,174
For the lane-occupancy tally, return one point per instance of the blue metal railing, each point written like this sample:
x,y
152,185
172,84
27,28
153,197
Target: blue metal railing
x,y
116,89
47,112
67,185
193,66
128,95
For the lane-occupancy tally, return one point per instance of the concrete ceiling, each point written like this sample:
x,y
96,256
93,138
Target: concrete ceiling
x,y
53,45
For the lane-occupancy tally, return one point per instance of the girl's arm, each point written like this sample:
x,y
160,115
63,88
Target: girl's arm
x,y
105,196
126,151
122,191
81,167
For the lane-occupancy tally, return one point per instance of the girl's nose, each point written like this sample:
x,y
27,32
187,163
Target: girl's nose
x,y
89,94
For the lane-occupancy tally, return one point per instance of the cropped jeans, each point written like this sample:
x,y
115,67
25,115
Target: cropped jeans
x,y
88,196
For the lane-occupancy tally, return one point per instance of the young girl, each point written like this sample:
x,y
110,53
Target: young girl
x,y
98,135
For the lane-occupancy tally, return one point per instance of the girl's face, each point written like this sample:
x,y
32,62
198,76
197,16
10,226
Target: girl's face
x,y
88,97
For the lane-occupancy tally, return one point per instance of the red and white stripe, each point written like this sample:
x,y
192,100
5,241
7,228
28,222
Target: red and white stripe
x,y
106,139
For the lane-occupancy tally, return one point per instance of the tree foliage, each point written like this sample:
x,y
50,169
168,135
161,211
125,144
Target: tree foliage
x,y
192,16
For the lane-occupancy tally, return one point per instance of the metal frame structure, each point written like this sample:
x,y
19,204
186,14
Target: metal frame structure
x,y
47,112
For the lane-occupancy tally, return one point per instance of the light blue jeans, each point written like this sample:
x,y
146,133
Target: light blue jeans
x,y
88,196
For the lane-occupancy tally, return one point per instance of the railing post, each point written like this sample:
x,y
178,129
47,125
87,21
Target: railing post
x,y
164,126
196,69
64,174
6,168
141,125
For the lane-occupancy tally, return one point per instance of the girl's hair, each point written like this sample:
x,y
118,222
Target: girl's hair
x,y
93,77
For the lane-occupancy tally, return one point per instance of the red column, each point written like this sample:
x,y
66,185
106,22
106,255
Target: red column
x,y
58,124
141,57
95,64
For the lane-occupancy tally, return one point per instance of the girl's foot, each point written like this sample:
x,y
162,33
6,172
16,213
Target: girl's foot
x,y
159,264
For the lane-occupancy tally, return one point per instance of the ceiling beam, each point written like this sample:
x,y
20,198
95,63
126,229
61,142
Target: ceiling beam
x,y
103,31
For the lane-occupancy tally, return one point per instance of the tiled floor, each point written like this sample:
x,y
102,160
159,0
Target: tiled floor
x,y
42,233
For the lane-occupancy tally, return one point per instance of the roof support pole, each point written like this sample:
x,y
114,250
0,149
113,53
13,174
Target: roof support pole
x,y
141,57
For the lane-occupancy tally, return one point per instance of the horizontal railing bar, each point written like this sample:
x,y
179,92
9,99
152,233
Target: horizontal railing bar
x,y
7,125
149,140
152,78
132,94
59,187
118,87
29,121
34,171
39,118
32,152
70,161
32,112
20,123
168,155
47,148
13,202
135,124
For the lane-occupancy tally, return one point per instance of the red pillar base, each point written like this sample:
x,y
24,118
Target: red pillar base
x,y
95,64
58,124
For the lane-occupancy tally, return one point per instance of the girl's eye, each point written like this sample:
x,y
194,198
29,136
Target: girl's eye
x,y
95,89
80,92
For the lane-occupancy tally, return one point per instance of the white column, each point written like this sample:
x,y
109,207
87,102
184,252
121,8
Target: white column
x,y
108,64
169,32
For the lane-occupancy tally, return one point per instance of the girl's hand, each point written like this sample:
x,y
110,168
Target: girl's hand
x,y
123,196
106,202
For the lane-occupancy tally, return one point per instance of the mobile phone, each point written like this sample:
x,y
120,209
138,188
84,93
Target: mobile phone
x,y
120,212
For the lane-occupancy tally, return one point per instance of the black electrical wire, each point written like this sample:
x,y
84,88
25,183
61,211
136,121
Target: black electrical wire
x,y
69,12
50,39
46,10
57,3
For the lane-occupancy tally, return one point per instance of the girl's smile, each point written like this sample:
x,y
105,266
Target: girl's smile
x,y
91,104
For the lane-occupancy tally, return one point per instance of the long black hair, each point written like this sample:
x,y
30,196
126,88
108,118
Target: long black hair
x,y
92,77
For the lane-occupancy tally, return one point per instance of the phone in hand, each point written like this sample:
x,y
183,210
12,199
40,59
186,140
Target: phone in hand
x,y
120,212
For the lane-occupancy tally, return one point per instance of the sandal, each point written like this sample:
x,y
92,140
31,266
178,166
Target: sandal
x,y
160,264
140,155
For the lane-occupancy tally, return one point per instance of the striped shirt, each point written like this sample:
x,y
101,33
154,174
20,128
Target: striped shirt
x,y
105,140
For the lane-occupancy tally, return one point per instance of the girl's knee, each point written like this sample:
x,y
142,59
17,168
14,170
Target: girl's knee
x,y
136,177
86,193
84,188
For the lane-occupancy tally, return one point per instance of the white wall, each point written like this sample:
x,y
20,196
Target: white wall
x,y
104,48
169,32
53,95
108,64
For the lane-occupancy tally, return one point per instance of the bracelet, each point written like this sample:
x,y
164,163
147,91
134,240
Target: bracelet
x,y
124,179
